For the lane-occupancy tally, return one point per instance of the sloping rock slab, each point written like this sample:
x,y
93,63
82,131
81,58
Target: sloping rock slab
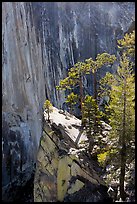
x,y
64,172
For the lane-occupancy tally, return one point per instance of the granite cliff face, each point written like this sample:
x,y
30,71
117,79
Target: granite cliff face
x,y
40,41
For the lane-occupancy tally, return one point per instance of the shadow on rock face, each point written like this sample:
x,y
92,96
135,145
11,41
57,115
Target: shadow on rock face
x,y
89,193
19,192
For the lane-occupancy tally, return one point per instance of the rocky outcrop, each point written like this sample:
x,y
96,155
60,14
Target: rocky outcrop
x,y
40,41
65,172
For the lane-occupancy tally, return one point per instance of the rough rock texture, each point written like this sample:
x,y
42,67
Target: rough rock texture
x,y
40,41
21,189
64,170
22,92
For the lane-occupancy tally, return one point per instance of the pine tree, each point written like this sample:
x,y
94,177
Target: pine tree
x,y
121,89
105,85
75,79
104,94
48,108
72,100
127,44
101,60
81,69
90,113
122,117
77,73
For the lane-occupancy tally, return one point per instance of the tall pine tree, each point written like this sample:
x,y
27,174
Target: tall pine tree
x,y
122,113
122,104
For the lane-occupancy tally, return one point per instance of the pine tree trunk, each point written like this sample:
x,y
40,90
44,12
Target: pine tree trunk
x,y
122,171
123,150
48,115
95,85
91,143
90,136
81,96
95,97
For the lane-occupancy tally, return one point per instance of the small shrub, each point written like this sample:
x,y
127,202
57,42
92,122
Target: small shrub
x,y
102,158
48,108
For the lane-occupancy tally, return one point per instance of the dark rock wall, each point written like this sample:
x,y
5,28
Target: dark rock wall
x,y
40,41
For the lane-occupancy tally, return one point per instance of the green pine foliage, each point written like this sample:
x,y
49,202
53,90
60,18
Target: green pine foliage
x,y
81,69
105,156
74,76
101,60
48,108
75,79
72,99
105,85
102,158
121,89
91,119
94,65
127,44
122,112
